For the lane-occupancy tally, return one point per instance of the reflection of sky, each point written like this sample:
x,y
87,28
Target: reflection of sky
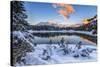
x,y
40,12
72,39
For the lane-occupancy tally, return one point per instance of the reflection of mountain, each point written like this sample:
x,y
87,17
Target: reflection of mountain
x,y
56,34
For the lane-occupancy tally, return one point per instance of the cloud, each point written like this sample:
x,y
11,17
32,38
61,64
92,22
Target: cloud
x,y
64,9
63,13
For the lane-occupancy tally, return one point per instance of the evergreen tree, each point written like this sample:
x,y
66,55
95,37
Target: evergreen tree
x,y
18,23
18,16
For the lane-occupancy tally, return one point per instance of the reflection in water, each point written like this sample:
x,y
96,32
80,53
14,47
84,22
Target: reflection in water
x,y
68,38
87,40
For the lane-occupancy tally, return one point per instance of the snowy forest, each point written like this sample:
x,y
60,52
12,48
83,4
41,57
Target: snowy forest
x,y
48,42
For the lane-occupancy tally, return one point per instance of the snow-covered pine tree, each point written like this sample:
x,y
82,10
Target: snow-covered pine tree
x,y
19,26
18,16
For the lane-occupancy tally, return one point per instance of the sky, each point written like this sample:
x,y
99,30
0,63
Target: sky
x,y
42,12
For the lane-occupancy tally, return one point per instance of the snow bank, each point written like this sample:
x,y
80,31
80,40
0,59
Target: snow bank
x,y
36,57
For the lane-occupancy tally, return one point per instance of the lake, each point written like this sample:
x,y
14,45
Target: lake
x,y
44,38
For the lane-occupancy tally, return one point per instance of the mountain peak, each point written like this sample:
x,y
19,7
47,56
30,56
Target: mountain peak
x,y
47,23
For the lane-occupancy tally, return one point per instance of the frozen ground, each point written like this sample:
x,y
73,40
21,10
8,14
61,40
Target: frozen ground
x,y
57,55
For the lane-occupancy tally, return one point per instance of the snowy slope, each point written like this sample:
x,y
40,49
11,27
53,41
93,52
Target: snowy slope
x,y
57,56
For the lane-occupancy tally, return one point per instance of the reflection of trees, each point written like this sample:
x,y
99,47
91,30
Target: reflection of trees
x,y
92,39
48,35
51,34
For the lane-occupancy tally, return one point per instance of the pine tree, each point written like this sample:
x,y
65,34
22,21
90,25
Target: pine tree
x,y
18,23
18,16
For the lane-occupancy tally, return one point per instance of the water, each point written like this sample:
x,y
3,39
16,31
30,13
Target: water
x,y
71,39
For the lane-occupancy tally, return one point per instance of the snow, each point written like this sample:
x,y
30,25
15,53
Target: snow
x,y
22,36
36,57
54,53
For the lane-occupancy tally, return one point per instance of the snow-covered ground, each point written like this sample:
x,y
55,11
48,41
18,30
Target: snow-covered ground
x,y
57,55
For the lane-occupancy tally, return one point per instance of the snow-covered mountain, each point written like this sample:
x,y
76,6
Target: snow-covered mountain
x,y
50,23
55,24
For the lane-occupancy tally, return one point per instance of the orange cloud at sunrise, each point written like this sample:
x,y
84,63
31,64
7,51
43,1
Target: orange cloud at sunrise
x,y
63,13
65,9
